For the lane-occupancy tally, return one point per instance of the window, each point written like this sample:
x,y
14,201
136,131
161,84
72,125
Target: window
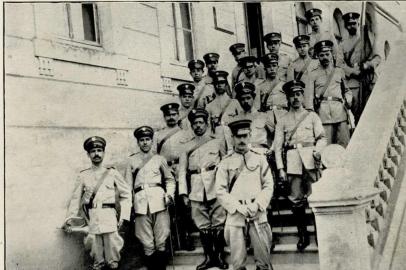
x,y
301,18
182,32
83,22
338,25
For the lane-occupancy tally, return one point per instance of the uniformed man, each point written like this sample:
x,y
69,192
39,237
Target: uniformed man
x,y
299,138
272,97
211,60
203,92
238,51
186,98
331,95
318,33
95,192
358,63
249,65
273,43
300,67
145,171
197,185
244,187
170,143
262,124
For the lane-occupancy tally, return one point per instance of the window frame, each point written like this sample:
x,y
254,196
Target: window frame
x,y
301,19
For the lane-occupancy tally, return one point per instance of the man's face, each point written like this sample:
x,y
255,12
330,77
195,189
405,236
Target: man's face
x,y
352,28
197,74
325,58
199,126
220,87
241,142
296,99
315,23
249,69
186,100
246,101
271,70
239,55
302,49
145,144
171,118
96,155
212,66
273,46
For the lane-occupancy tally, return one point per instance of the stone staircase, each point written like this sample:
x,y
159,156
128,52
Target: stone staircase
x,y
284,255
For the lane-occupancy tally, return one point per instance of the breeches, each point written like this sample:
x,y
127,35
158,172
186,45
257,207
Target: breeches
x,y
300,187
105,248
208,214
152,230
235,239
337,133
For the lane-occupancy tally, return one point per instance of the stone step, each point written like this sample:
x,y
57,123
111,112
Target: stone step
x,y
282,254
252,267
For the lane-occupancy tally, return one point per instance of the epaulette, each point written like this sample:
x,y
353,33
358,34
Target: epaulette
x,y
85,170
253,151
110,168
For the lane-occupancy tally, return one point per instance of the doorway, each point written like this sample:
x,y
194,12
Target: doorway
x,y
253,16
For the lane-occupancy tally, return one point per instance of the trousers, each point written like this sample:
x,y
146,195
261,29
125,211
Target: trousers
x,y
337,133
208,214
104,248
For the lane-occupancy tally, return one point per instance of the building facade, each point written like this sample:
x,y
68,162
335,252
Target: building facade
x,y
73,70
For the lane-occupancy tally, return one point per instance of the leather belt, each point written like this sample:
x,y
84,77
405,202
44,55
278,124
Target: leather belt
x,y
142,187
107,205
173,162
275,107
246,201
299,145
332,99
199,171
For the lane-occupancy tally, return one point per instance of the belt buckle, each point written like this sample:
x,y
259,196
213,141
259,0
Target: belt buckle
x,y
330,98
299,145
274,107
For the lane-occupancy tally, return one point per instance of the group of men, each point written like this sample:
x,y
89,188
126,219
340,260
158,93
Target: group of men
x,y
224,148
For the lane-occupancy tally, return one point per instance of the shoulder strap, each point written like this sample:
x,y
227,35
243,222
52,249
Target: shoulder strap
x,y
199,96
167,137
225,108
351,52
194,148
235,177
330,77
303,70
265,100
297,126
141,166
99,183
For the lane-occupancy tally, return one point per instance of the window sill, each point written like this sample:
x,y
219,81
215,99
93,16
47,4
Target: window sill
x,y
88,53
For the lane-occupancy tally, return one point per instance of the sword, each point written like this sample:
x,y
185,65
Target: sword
x,y
171,242
264,245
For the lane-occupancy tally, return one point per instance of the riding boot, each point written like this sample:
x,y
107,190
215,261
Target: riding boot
x,y
207,243
219,244
299,211
189,244
160,260
149,261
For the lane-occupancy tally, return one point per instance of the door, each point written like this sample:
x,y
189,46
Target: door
x,y
253,18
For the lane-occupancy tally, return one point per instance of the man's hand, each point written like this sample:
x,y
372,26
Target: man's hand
x,y
168,199
185,200
120,223
282,175
67,227
243,210
253,209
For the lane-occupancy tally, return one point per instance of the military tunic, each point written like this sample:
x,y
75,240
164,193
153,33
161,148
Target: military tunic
x,y
184,121
295,68
254,184
309,136
236,74
283,63
255,81
332,110
206,211
273,98
152,219
204,93
106,243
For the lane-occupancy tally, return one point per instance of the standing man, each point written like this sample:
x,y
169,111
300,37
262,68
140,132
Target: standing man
x,y
300,67
238,51
273,43
170,143
272,97
145,171
358,64
197,186
319,33
249,66
95,192
262,125
332,98
299,138
203,92
244,187
212,61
